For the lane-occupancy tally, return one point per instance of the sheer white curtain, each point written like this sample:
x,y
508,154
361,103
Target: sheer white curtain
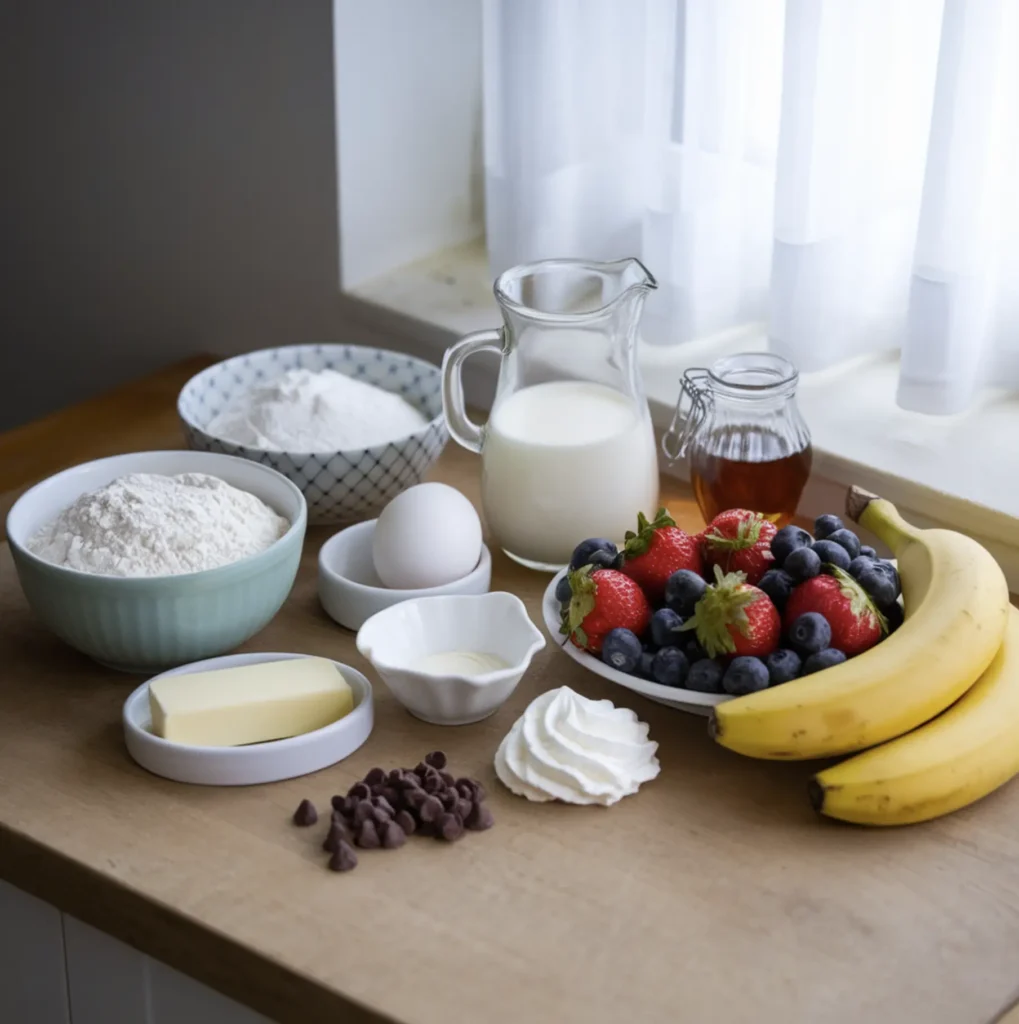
x,y
846,171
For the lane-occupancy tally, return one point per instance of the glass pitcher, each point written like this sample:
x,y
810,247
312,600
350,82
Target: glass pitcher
x,y
568,451
748,445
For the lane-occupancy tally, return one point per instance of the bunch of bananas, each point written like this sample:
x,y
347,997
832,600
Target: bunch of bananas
x,y
958,648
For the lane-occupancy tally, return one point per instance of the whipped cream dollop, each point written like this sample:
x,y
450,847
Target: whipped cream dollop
x,y
566,747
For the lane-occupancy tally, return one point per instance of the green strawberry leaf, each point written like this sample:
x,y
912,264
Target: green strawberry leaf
x,y
724,604
637,544
860,602
748,533
582,602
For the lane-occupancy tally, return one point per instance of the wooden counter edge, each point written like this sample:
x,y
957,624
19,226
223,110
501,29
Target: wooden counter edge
x,y
159,931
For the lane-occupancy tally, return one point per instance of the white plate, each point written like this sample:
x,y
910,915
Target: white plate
x,y
256,762
672,696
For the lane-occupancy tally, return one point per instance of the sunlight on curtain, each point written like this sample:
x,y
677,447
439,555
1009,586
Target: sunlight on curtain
x,y
844,169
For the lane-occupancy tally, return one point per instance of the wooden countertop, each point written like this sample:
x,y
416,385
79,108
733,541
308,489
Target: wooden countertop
x,y
713,895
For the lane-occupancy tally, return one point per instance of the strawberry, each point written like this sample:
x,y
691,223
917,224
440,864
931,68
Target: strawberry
x,y
735,618
739,541
856,623
657,550
601,600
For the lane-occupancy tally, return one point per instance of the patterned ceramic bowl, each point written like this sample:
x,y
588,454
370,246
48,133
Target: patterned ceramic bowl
x,y
340,487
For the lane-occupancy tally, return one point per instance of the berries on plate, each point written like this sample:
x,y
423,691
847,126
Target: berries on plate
x,y
745,675
596,551
828,658
802,564
856,623
738,540
705,676
563,591
847,539
831,553
824,526
665,625
787,540
880,585
658,549
683,589
783,666
621,649
602,600
734,617
859,564
669,667
778,585
810,633
867,551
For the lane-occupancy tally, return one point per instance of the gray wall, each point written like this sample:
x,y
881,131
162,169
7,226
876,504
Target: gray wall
x,y
167,186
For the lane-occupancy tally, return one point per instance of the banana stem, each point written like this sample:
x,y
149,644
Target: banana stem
x,y
879,516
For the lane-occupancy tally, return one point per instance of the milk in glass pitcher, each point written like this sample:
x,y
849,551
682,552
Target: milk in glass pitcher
x,y
568,451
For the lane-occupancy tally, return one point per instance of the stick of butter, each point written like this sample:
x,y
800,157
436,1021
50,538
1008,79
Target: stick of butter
x,y
249,703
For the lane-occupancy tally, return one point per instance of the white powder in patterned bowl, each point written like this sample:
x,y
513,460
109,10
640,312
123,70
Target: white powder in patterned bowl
x,y
146,524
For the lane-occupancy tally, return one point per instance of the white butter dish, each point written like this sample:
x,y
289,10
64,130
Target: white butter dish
x,y
257,762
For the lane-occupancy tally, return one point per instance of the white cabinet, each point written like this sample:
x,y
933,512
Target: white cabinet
x,y
33,982
56,970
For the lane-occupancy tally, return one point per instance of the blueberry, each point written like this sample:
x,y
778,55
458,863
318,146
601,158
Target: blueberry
x,y
803,564
787,540
745,675
893,613
563,594
683,589
847,539
692,648
889,570
825,526
621,649
810,633
670,667
831,553
584,552
778,585
867,551
879,585
827,658
646,661
783,666
705,676
665,625
861,563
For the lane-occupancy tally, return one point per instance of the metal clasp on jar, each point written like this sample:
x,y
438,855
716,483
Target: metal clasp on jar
x,y
683,429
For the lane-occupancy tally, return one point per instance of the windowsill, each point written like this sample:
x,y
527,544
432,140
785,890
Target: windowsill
x,y
954,471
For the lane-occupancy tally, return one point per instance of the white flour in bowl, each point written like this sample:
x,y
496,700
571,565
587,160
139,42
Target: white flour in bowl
x,y
145,524
314,412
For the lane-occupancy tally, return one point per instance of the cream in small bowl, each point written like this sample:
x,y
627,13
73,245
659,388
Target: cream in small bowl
x,y
454,659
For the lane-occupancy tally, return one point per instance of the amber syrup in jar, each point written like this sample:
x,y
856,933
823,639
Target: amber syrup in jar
x,y
762,479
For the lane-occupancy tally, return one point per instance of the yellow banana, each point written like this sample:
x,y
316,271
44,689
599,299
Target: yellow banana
x,y
964,754
956,610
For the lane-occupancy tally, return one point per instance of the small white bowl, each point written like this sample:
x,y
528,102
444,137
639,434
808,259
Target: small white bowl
x,y
351,591
256,762
397,639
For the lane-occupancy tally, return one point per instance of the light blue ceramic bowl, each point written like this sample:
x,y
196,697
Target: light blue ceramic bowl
x,y
344,486
153,623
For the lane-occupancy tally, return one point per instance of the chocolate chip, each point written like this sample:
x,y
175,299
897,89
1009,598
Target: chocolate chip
x,y
381,816
414,798
409,781
359,791
406,821
464,808
344,858
432,783
447,778
337,832
375,776
382,803
430,809
395,775
338,802
392,794
367,836
449,799
393,837
437,759
480,818
363,812
479,791
426,828
449,827
421,769
305,814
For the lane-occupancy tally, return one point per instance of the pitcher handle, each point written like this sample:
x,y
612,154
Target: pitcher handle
x,y
677,439
461,427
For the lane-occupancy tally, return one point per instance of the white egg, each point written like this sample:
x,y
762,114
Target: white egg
x,y
427,536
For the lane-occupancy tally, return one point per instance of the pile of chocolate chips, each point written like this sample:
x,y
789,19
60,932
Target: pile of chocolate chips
x,y
384,808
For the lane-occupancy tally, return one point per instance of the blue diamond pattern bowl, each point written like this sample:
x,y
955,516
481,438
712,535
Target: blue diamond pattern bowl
x,y
340,487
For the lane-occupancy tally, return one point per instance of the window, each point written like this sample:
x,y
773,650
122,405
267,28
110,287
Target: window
x,y
831,178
